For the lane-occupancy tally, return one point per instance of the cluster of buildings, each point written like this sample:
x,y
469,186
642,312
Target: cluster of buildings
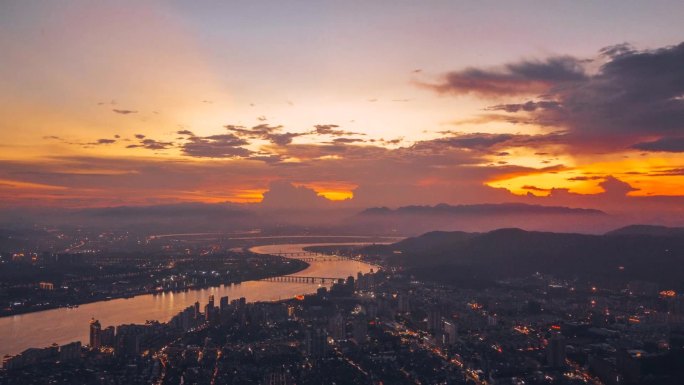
x,y
541,330
69,353
387,328
79,278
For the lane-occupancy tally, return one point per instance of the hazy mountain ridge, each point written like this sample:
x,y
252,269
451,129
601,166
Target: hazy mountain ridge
x,y
483,217
480,209
513,252
171,210
652,230
408,220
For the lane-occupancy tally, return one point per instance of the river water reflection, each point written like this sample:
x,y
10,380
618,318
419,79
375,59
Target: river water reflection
x,y
64,325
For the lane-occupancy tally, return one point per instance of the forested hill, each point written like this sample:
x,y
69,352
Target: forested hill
x,y
514,252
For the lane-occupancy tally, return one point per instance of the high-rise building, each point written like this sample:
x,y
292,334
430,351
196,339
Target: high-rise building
x,y
370,282
555,352
360,330
223,304
450,332
434,319
107,337
187,319
197,310
70,352
95,334
316,343
209,310
349,285
128,340
360,281
336,327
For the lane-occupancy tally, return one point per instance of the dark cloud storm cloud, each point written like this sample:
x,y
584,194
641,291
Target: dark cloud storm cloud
x,y
632,97
525,77
662,145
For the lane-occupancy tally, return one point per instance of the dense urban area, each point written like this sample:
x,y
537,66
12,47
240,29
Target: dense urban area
x,y
390,326
385,192
90,270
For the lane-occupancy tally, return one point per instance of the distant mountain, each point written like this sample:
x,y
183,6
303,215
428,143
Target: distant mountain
x,y
481,217
408,220
662,231
434,240
481,209
183,217
515,253
192,210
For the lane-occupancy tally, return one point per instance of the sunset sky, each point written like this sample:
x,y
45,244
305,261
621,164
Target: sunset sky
x,y
375,103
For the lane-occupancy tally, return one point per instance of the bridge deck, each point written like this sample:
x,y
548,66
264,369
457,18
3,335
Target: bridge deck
x,y
302,279
308,256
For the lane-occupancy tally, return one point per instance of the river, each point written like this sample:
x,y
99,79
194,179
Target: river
x,y
65,325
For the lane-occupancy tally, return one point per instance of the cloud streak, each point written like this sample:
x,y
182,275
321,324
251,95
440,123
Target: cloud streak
x,y
521,78
216,146
124,112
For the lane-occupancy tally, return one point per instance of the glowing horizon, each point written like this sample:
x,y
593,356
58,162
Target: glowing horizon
x,y
385,103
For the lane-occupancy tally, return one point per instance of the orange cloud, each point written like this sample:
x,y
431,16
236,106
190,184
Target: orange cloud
x,y
331,190
644,174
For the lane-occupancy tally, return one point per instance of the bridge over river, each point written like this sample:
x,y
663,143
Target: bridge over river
x,y
302,279
310,256
65,325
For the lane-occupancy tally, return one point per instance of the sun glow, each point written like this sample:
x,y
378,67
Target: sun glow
x,y
648,176
334,191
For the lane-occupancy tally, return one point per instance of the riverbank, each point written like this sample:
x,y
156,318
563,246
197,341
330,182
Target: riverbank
x,y
63,325
295,265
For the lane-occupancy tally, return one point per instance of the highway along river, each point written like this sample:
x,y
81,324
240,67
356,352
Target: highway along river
x,y
64,325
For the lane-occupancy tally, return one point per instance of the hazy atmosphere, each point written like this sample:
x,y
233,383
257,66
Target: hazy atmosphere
x,y
341,192
356,105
